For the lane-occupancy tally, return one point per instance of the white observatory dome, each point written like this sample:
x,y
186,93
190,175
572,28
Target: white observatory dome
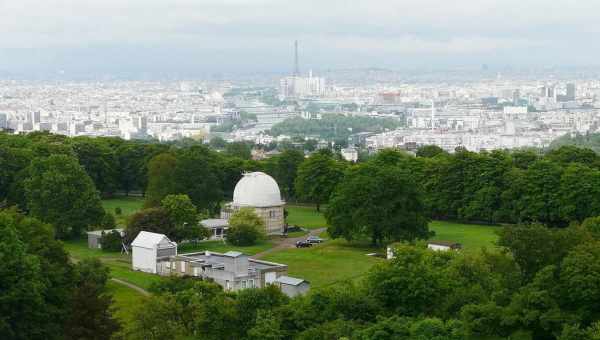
x,y
257,189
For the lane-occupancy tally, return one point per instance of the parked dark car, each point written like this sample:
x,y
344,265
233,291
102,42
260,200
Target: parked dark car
x,y
303,244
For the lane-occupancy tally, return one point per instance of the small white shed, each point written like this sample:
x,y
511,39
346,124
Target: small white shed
x,y
292,286
443,245
148,248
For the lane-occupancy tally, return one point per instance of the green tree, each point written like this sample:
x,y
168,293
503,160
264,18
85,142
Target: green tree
x,y
542,200
184,215
131,157
245,227
12,161
239,149
99,161
579,193
592,225
284,168
22,289
217,143
317,178
158,318
267,327
379,202
430,151
197,175
572,154
157,220
534,246
111,241
412,284
91,316
59,192
162,180
579,272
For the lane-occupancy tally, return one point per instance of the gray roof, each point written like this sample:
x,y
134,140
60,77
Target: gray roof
x,y
214,258
288,280
233,254
106,231
215,222
444,243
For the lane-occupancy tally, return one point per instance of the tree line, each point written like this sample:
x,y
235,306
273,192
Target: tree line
x,y
61,180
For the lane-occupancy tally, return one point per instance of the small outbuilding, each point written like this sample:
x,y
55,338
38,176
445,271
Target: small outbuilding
x,y
95,237
292,286
443,245
217,227
149,248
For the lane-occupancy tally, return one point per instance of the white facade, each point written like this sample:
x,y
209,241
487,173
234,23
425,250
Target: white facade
x,y
350,154
302,86
438,247
148,248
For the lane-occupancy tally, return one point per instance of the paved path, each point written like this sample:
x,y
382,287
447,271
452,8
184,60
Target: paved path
x,y
132,286
285,243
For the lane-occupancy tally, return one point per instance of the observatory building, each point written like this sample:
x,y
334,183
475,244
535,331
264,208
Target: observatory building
x,y
259,191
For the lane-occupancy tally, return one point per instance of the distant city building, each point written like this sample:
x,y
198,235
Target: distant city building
x,y
3,121
350,154
296,86
571,92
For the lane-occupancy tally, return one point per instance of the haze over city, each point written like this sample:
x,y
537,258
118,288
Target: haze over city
x,y
157,38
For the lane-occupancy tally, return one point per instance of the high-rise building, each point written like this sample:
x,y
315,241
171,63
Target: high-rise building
x,y
35,117
571,92
3,121
516,97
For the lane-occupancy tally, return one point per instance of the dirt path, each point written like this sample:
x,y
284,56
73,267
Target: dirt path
x,y
286,243
132,286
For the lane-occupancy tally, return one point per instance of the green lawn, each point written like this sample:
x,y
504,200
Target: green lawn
x,y
324,264
128,205
471,236
119,264
305,216
221,247
125,300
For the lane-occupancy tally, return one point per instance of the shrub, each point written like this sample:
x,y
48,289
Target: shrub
x,y
118,211
111,241
245,228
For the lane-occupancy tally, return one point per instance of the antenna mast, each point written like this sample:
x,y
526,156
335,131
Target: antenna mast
x,y
296,64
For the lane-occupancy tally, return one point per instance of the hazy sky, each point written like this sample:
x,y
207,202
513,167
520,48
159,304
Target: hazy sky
x,y
258,35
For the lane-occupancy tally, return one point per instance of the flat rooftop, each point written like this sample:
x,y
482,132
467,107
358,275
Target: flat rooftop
x,y
215,259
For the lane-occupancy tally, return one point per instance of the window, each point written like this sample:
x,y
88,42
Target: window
x,y
227,285
271,214
251,283
243,284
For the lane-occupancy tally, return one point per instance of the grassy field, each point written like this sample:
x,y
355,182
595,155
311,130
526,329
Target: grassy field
x,y
119,264
125,300
327,263
471,236
305,216
128,205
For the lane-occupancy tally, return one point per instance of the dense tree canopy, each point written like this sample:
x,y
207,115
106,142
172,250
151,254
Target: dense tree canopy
x,y
378,202
317,178
42,294
58,191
